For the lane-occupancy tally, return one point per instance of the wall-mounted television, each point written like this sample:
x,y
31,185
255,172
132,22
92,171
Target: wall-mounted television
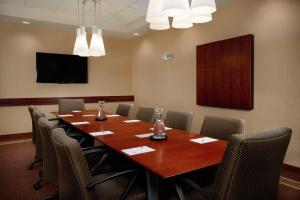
x,y
61,68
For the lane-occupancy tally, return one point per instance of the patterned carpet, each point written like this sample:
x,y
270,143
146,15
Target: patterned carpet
x,y
16,181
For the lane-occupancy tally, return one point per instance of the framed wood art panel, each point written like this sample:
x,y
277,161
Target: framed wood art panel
x,y
225,73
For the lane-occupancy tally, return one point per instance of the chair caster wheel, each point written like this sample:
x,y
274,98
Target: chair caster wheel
x,y
37,186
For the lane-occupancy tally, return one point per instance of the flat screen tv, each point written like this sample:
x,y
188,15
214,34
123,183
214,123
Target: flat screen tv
x,y
60,68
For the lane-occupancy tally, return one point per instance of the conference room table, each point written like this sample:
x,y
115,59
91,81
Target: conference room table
x,y
175,156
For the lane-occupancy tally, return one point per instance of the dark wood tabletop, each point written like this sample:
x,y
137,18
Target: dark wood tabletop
x,y
177,155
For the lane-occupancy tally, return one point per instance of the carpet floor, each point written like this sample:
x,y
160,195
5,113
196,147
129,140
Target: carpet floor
x,y
16,181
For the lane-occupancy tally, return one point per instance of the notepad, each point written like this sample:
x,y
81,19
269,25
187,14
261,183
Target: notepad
x,y
132,121
204,140
112,115
79,123
166,128
91,115
100,133
137,150
146,135
76,111
66,115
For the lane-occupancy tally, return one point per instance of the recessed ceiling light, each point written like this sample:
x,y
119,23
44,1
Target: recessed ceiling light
x,y
136,34
25,22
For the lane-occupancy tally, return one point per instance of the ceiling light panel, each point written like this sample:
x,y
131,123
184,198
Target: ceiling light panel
x,y
52,5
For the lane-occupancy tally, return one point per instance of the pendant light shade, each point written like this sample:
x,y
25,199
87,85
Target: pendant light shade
x,y
83,49
175,8
75,49
97,44
154,13
159,26
200,18
203,7
182,22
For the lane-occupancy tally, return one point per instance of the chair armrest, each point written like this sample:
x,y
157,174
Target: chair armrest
x,y
54,119
89,150
92,185
196,187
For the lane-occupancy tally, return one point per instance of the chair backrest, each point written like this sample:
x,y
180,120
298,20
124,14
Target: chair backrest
x,y
74,174
222,127
37,114
31,109
124,109
68,105
179,120
146,114
50,169
251,166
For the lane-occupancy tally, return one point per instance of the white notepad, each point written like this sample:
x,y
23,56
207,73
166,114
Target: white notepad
x,y
101,133
79,123
66,115
166,128
112,115
146,135
204,140
137,150
132,121
91,115
76,111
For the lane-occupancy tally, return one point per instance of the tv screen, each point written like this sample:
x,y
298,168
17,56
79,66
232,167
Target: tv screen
x,y
60,68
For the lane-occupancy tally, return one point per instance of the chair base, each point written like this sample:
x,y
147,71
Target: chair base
x,y
37,183
52,197
33,162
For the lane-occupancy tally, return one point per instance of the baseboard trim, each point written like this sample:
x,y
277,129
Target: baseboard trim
x,y
291,168
15,136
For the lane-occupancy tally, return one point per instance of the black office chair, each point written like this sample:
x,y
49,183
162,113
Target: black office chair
x,y
250,169
124,109
179,120
146,114
36,159
76,181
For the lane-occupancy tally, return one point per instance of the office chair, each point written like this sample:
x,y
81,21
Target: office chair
x,y
250,169
76,181
69,105
179,120
222,127
146,114
35,159
124,109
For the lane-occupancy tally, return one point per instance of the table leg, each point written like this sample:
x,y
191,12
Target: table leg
x,y
152,186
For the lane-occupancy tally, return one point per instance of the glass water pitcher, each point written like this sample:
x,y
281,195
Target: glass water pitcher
x,y
159,126
101,114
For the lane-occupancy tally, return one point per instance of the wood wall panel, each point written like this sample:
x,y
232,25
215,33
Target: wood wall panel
x,y
225,73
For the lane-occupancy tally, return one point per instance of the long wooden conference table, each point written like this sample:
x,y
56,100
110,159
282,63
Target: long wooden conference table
x,y
176,156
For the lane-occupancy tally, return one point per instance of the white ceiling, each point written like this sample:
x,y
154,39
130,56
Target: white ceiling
x,y
118,17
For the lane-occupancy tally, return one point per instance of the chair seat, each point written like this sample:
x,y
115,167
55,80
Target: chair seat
x,y
113,189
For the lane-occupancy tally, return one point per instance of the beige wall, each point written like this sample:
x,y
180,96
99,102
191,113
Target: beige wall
x,y
275,24
109,75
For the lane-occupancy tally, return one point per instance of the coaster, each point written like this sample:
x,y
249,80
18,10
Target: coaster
x,y
160,138
101,118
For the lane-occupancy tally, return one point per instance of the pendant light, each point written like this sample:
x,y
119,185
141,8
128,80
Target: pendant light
x,y
83,48
203,7
197,19
175,8
160,26
182,22
154,13
97,44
